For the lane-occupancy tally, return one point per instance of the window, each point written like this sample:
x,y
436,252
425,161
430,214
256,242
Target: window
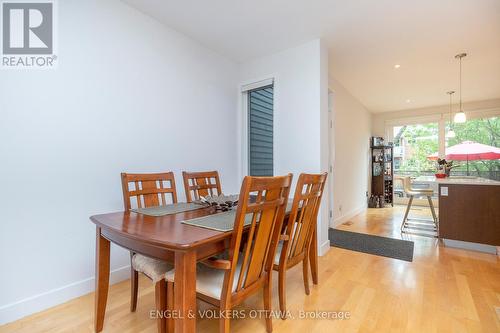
x,y
419,141
413,144
260,131
485,131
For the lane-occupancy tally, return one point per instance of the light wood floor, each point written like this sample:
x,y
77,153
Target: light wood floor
x,y
442,290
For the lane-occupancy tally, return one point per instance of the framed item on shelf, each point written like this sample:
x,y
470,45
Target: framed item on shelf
x,y
377,141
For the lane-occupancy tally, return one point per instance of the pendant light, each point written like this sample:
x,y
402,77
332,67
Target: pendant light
x,y
460,115
451,132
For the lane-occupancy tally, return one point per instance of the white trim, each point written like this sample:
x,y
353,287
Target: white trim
x,y
344,218
258,84
36,303
331,153
471,114
442,138
413,120
324,248
244,134
482,113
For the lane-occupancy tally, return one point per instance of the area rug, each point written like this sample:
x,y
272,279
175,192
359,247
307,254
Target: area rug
x,y
371,244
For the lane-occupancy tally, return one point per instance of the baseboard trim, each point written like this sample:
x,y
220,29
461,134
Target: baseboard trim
x,y
346,217
36,303
324,248
491,249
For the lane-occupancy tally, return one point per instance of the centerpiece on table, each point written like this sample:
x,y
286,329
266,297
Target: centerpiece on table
x,y
443,168
220,202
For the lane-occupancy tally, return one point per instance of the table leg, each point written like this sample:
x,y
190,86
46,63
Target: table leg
x,y
185,291
101,278
313,257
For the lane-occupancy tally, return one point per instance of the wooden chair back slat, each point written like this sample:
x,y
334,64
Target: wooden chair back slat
x,y
151,199
162,193
265,198
247,250
197,184
303,217
148,190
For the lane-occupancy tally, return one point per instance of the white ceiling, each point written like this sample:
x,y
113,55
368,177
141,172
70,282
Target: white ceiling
x,y
366,38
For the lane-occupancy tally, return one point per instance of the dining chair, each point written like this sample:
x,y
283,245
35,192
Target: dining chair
x,y
227,283
142,191
296,240
198,184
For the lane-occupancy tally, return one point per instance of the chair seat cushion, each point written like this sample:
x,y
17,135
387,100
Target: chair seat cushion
x,y
153,268
209,280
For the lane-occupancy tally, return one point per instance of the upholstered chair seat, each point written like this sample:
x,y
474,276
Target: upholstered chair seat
x,y
153,268
209,280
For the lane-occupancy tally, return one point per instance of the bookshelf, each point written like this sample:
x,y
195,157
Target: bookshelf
x,y
382,167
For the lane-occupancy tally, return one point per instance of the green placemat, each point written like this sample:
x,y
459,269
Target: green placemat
x,y
167,209
219,222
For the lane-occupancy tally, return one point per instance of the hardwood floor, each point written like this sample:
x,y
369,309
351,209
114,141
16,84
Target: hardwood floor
x,y
442,290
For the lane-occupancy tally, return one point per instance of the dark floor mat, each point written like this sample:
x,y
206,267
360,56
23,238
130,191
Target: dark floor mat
x,y
377,245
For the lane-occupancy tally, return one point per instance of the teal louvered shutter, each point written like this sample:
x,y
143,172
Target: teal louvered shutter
x,y
260,131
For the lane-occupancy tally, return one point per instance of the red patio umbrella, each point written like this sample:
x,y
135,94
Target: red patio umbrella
x,y
469,151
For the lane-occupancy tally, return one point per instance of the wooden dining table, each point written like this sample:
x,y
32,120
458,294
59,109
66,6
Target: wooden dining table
x,y
165,238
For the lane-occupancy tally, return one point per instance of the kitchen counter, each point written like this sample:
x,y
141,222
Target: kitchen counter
x,y
458,180
469,212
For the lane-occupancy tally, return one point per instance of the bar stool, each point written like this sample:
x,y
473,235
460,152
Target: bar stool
x,y
422,224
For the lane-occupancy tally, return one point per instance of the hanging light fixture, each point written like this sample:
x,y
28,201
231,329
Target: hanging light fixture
x,y
451,132
460,115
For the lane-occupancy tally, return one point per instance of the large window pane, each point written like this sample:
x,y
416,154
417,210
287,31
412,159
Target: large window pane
x,y
481,130
412,146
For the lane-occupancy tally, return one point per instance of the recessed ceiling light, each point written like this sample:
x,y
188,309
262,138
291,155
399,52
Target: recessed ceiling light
x,y
397,66
408,100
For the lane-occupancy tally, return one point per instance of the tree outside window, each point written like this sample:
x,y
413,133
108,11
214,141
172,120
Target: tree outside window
x,y
480,130
412,145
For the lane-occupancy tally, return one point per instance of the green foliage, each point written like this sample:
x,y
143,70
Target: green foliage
x,y
422,141
485,131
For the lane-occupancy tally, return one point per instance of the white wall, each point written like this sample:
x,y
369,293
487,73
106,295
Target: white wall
x,y
300,105
128,95
352,131
325,154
